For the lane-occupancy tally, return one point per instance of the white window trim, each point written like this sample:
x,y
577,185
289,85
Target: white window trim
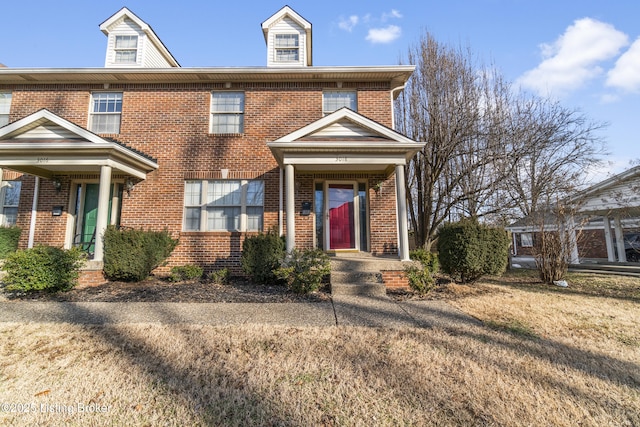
x,y
353,91
7,114
277,48
218,113
244,185
529,239
3,206
92,113
117,49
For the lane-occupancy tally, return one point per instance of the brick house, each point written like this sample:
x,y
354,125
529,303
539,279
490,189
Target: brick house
x,y
211,154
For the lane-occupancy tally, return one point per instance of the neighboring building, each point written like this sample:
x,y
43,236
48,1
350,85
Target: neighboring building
x,y
607,221
211,154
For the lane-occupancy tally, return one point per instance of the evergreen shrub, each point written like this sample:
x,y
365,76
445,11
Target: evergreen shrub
x,y
131,255
9,237
303,271
43,268
261,255
468,250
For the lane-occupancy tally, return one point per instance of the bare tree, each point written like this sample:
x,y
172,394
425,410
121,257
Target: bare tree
x,y
456,107
555,146
490,152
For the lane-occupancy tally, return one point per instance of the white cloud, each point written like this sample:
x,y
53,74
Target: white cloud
x,y
625,74
348,23
574,58
384,35
393,14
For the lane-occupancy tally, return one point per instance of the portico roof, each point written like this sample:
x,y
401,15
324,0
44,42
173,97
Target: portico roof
x,y
44,144
344,141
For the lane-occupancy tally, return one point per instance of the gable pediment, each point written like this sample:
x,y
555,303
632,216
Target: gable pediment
x,y
44,126
344,130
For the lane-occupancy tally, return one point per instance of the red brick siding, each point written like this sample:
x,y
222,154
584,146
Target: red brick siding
x,y
393,279
90,278
170,122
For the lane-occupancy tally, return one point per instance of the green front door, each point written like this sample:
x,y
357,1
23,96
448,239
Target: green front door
x,y
89,217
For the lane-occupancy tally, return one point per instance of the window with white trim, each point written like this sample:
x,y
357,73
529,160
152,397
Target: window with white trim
x,y
126,49
223,205
106,109
227,112
287,47
526,240
5,107
333,100
10,199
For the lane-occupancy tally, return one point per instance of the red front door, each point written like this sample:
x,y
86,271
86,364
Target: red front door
x,y
341,216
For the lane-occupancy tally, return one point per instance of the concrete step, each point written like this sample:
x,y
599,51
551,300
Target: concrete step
x,y
360,289
355,277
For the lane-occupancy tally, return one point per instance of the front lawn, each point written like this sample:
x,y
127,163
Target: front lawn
x,y
546,356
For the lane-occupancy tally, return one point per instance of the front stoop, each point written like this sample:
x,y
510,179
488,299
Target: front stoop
x,y
363,273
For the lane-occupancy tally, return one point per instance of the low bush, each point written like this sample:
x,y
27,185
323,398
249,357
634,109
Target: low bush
x,y
185,272
468,250
261,255
43,268
9,237
303,271
429,260
420,279
131,255
220,277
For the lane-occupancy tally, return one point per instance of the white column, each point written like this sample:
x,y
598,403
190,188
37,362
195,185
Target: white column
x,y
403,229
289,176
34,212
103,211
608,238
280,202
617,225
574,257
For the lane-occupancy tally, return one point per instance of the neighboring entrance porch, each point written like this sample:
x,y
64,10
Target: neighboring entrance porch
x,y
88,173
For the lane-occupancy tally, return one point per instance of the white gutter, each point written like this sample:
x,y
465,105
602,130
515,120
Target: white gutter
x,y
393,115
34,212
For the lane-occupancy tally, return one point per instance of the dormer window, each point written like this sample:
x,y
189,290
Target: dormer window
x,y
126,49
287,47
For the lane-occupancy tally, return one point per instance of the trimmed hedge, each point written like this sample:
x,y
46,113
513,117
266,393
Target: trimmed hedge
x,y
468,250
43,268
9,237
131,255
261,255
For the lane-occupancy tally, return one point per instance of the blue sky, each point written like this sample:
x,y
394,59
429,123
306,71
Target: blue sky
x,y
584,52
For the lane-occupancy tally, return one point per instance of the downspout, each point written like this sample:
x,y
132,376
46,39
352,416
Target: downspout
x,y
34,211
393,115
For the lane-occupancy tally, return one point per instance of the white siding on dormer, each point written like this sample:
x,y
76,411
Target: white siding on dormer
x,y
148,55
286,26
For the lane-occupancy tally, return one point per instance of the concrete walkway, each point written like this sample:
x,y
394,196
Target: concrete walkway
x,y
342,310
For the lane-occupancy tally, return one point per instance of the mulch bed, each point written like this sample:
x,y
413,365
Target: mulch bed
x,y
160,290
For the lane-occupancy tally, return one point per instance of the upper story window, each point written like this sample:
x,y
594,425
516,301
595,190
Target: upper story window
x,y
223,205
227,112
10,198
287,48
5,107
126,49
106,108
333,100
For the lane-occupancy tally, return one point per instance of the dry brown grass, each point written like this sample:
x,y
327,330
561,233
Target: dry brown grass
x,y
550,358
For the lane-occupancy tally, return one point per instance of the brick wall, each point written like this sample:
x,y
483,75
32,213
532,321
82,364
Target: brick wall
x,y
394,279
170,122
